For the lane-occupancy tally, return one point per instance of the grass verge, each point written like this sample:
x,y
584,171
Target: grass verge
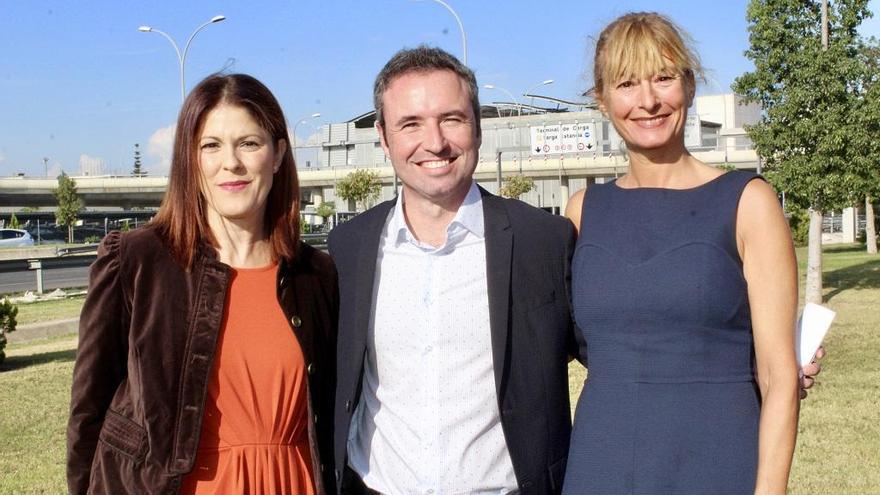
x,y
35,384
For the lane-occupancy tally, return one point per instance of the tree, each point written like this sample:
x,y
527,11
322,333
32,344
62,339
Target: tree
x,y
361,186
69,204
8,312
13,222
805,133
326,210
137,171
516,185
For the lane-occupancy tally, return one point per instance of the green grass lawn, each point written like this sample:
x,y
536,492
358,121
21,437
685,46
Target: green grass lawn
x,y
838,446
34,394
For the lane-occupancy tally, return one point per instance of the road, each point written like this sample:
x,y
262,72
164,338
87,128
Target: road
x,y
55,278
73,271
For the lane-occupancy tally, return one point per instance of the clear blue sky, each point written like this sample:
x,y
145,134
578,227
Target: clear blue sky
x,y
77,79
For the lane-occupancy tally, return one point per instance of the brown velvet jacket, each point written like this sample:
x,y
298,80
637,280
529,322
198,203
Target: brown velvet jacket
x,y
147,339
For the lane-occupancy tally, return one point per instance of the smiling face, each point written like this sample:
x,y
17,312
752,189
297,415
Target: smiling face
x,y
237,160
645,76
649,113
430,135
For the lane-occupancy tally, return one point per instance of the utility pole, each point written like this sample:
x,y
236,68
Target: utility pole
x,y
46,168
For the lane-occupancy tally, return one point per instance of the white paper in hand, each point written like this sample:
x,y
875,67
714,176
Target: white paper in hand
x,y
811,329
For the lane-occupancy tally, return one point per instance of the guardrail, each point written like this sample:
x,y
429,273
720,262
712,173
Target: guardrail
x,y
8,266
82,256
40,264
89,249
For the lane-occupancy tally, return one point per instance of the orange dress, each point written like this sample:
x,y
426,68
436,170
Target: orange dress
x,y
255,432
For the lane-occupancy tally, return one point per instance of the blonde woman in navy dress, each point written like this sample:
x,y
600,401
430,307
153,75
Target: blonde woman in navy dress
x,y
684,285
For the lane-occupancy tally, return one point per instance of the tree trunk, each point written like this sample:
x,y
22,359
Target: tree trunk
x,y
813,290
70,234
870,233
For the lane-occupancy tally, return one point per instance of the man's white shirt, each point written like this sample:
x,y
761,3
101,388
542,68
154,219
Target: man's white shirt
x,y
427,420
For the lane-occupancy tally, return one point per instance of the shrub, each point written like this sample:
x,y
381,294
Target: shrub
x,y
8,312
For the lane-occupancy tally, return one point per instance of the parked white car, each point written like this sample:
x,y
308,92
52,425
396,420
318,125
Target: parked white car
x,y
15,238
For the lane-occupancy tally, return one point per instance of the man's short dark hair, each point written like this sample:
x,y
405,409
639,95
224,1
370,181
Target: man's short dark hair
x,y
424,59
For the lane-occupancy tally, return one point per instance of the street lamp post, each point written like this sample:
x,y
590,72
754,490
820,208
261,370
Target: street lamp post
x,y
181,57
515,101
460,28
542,83
303,120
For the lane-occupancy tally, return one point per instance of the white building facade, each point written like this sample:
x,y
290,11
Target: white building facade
x,y
562,151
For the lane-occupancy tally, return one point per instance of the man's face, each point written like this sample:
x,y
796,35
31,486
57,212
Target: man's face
x,y
430,135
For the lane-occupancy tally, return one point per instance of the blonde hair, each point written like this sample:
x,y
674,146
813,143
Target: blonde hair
x,y
640,45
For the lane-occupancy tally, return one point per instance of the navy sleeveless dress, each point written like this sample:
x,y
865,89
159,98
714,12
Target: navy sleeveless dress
x,y
670,405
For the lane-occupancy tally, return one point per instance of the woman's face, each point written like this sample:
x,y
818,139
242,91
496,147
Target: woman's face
x,y
649,114
237,159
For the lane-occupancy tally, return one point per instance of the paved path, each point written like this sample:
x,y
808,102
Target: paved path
x,y
34,331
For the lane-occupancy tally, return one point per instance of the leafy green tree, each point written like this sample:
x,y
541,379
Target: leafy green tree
x,y
325,210
137,171
8,313
13,222
69,204
516,185
361,186
806,91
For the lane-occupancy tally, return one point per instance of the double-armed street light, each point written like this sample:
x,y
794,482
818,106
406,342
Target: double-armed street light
x,y
181,57
460,28
529,92
515,101
302,120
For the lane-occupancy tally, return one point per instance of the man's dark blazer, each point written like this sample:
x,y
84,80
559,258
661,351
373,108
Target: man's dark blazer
x,y
527,256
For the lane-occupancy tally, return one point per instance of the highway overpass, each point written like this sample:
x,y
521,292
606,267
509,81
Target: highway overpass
x,y
317,184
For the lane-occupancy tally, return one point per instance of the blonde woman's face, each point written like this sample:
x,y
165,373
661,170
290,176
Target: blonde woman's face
x,y
648,113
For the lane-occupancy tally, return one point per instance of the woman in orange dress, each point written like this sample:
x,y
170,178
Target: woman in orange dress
x,y
207,340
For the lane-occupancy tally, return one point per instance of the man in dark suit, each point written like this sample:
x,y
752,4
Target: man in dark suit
x,y
455,328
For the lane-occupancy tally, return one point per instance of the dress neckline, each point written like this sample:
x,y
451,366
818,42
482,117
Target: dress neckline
x,y
697,187
255,270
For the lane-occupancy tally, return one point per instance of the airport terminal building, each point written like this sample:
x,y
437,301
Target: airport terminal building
x,y
562,146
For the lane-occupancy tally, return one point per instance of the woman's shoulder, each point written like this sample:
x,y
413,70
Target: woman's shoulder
x,y
135,246
574,207
144,239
